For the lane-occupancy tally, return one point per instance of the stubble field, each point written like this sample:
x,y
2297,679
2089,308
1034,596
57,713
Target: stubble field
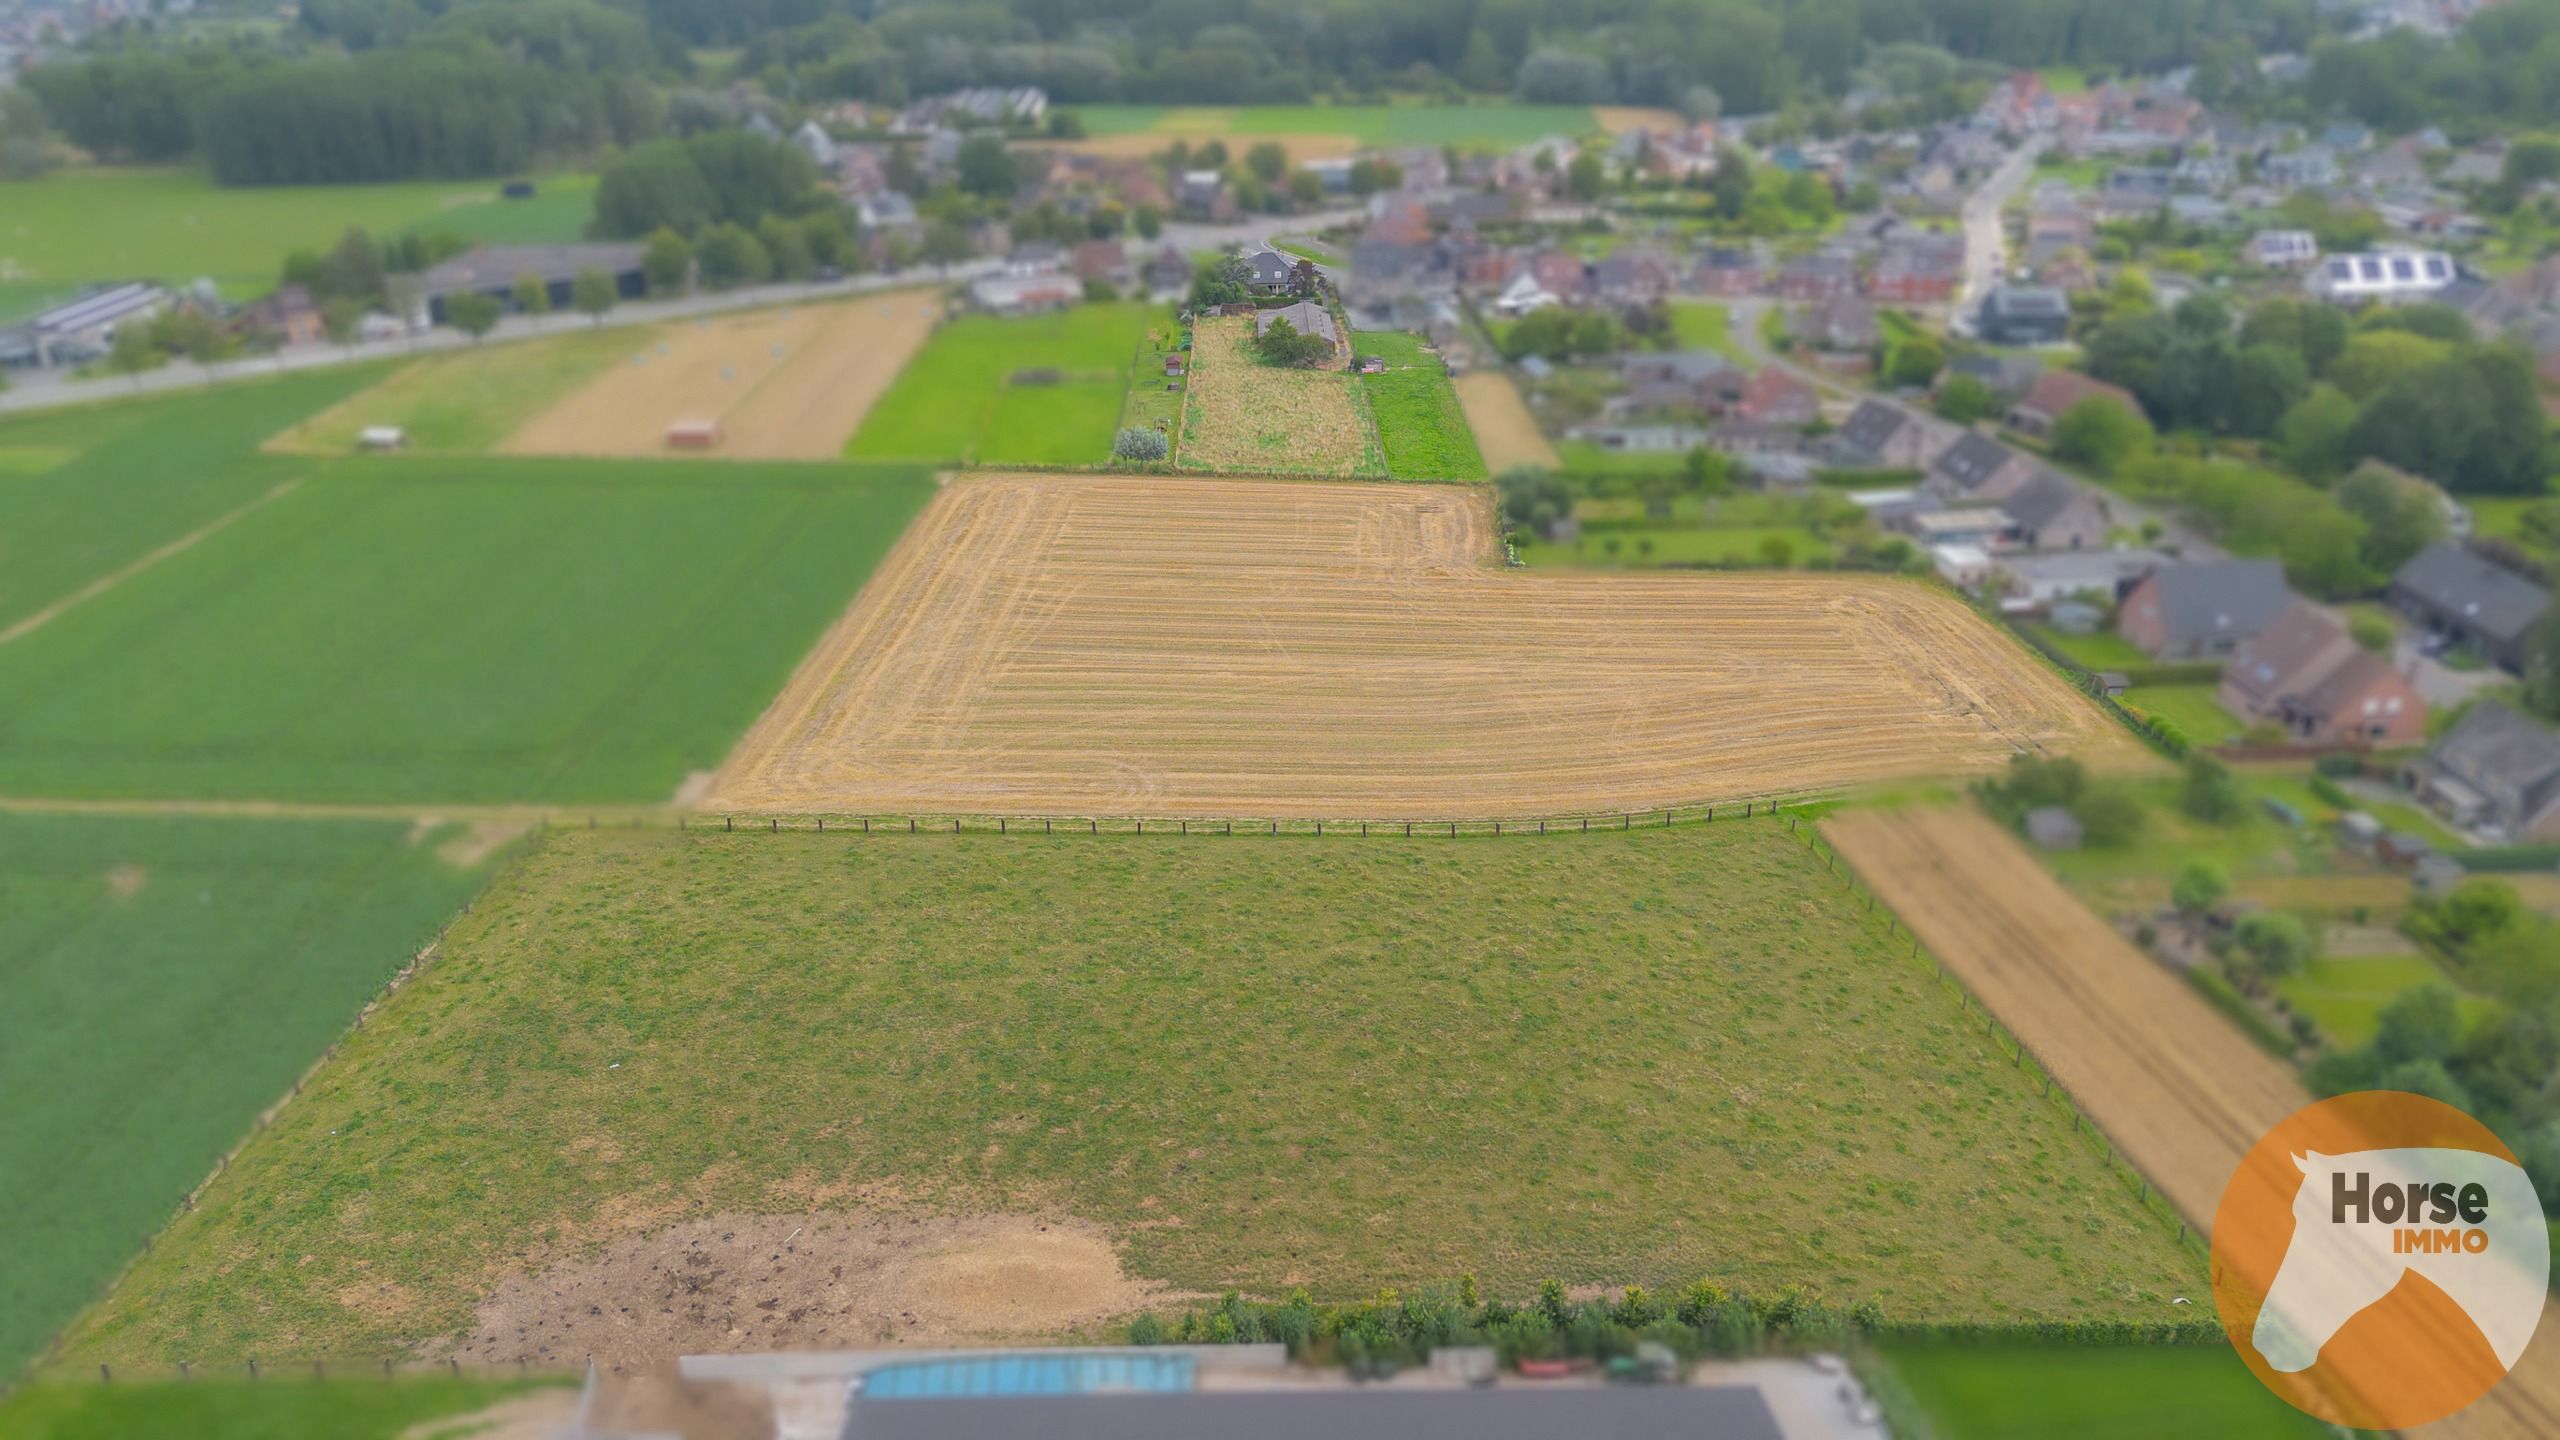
x,y
1505,430
1124,645
1204,1062
788,384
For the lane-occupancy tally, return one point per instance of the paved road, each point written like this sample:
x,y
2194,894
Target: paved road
x,y
1986,233
46,389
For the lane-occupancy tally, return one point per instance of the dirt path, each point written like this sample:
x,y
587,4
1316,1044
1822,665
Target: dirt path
x,y
1065,645
2177,1088
113,578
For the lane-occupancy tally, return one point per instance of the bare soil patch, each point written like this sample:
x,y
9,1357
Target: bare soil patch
x,y
1043,644
1505,431
787,384
2181,1092
812,1281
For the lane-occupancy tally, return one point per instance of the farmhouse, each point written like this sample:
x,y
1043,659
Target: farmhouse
x,y
2497,770
1306,317
493,270
2192,612
2307,674
2465,600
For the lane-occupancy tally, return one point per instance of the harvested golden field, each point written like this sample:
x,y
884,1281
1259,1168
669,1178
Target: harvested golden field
x,y
1504,430
1117,645
2180,1091
1619,119
785,384
1245,417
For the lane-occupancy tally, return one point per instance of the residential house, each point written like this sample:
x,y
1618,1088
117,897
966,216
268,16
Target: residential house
x,y
2283,249
1103,260
1168,271
1025,292
2006,376
1523,295
814,142
1883,435
1306,317
1977,467
2132,191
2024,315
1562,274
1203,195
1775,397
2496,771
289,314
2056,391
1631,277
2041,581
2304,672
2387,275
1268,272
1809,278
888,213
2052,511
2310,168
1921,271
1700,380
1842,322
2463,599
2196,612
1729,272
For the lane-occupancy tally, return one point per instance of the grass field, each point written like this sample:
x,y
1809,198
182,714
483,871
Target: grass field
x,y
86,490
1241,416
2192,708
2098,650
2346,994
1218,1050
130,222
1420,426
2090,1392
465,402
1497,126
1676,545
1705,325
163,980
290,1408
556,214
956,400
419,629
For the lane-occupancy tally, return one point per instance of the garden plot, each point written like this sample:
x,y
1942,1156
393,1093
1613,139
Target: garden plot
x,y
1245,417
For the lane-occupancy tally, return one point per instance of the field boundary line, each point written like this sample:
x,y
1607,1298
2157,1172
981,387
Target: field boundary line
x,y
113,578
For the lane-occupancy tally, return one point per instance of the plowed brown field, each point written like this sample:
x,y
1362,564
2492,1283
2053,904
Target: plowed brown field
x,y
2177,1088
788,384
1124,645
1505,432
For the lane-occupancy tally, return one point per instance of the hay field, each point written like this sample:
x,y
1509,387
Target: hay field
x,y
465,402
2179,1090
1225,1058
787,384
1245,417
1505,431
1125,645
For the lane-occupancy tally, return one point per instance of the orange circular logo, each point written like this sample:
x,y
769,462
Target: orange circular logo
x,y
2380,1260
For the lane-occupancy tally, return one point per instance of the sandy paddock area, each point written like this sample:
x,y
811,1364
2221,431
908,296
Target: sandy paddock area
x,y
1126,645
1505,431
785,384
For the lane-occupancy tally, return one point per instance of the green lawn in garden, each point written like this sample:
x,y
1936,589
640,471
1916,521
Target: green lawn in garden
x,y
162,980
2192,708
2091,1392
1424,433
1705,325
965,397
412,628
176,225
87,490
2099,650
2346,994
1221,1049
1674,545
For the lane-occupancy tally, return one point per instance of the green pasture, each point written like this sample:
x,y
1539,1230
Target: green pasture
x,y
162,980
2098,650
469,401
174,225
2089,1392
87,490
2346,994
1488,126
279,1408
408,628
1599,1057
555,214
1424,433
2192,708
957,400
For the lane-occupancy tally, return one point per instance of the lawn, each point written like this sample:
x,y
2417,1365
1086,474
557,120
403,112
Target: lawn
x,y
2346,994
1594,1057
129,222
2192,708
1705,325
2098,650
964,397
467,401
1492,126
2295,867
2090,1392
86,490
424,629
285,1408
1241,416
556,214
1420,427
162,980
1640,546
1581,457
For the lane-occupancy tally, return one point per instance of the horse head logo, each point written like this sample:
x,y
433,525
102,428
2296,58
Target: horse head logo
x,y
2468,1221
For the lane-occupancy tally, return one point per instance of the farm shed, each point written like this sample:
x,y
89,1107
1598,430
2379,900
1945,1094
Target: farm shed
x,y
493,270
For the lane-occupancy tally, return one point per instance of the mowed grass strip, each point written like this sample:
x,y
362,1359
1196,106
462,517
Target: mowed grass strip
x,y
2090,1392
162,980
88,490
425,630
466,401
957,400
291,1407
1259,1062
1420,427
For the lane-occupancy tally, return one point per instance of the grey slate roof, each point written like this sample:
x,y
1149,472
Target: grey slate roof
x,y
2220,597
1873,425
1306,317
1270,267
2042,500
2496,601
2506,755
1974,458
